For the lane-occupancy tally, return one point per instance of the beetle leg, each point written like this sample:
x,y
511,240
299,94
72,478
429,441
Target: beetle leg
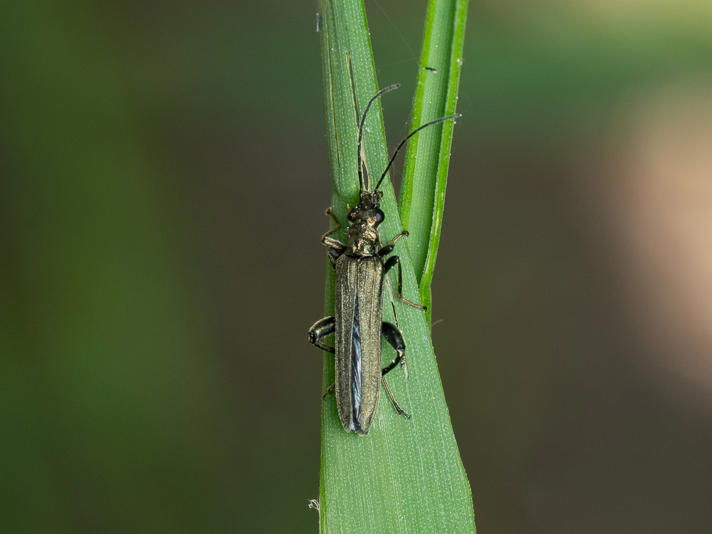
x,y
388,247
322,328
335,248
393,260
328,391
391,398
395,340
330,212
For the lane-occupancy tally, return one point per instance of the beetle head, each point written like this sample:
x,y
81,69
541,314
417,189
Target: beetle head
x,y
367,209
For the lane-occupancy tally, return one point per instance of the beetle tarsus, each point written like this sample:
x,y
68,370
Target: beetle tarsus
x,y
393,400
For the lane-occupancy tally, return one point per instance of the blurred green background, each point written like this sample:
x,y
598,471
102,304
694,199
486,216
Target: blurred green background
x,y
164,173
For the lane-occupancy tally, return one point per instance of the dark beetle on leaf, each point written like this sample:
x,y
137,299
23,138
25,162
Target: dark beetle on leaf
x,y
357,322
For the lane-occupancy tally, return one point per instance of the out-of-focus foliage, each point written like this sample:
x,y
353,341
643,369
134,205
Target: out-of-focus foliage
x,y
164,171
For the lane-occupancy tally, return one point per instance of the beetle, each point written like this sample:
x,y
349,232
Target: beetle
x,y
357,323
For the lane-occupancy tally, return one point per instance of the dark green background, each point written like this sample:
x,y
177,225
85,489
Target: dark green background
x,y
164,173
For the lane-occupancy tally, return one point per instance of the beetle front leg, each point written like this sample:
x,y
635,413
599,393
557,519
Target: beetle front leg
x,y
335,248
393,260
330,212
388,247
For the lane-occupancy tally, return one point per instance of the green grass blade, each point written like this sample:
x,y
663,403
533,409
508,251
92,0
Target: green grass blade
x,y
422,197
405,476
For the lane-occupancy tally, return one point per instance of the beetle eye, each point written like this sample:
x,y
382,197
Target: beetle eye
x,y
380,216
352,215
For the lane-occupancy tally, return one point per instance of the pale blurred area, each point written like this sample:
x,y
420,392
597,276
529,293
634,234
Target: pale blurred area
x,y
164,176
660,198
606,12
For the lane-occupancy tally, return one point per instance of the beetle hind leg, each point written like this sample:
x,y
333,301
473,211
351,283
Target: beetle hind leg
x,y
395,339
393,400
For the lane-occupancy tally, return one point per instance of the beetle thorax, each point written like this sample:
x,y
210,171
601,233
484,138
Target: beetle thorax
x,y
364,219
363,239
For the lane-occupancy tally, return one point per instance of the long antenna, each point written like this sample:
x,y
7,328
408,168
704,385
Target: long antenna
x,y
411,134
360,128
